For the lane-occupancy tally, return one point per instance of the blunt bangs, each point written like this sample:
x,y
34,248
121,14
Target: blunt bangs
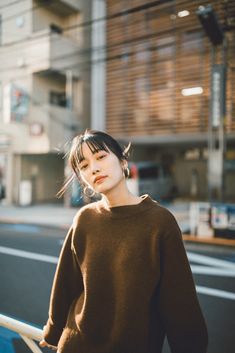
x,y
95,145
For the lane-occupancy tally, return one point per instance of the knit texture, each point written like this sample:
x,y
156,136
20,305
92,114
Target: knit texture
x,y
123,282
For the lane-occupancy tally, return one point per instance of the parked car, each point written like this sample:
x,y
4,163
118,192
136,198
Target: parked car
x,y
149,177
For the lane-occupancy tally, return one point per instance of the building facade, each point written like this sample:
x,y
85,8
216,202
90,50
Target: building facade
x,y
45,84
140,70
158,87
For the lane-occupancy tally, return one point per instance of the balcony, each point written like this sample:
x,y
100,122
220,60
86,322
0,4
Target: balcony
x,y
58,124
64,7
52,51
46,50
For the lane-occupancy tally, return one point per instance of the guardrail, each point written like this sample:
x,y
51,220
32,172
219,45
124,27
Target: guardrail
x,y
27,332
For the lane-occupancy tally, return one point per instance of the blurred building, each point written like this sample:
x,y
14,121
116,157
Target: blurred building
x,y
141,70
44,86
158,86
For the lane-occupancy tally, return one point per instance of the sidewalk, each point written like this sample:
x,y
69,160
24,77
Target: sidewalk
x,y
46,215
54,215
57,215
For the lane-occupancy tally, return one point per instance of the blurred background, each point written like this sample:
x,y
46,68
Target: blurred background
x,y
158,74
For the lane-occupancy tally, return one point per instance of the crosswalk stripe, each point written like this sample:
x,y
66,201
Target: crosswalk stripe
x,y
28,255
227,271
211,261
215,292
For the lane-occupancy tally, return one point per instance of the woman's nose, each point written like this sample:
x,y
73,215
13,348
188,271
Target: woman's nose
x,y
94,168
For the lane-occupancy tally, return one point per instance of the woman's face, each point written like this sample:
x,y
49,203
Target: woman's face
x,y
102,171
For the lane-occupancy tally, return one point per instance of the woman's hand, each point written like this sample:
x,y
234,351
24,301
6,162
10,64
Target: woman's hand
x,y
43,343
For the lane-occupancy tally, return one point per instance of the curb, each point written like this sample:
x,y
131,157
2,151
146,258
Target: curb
x,y
47,225
208,240
186,237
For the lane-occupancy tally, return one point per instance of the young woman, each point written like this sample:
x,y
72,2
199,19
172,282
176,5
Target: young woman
x,y
123,280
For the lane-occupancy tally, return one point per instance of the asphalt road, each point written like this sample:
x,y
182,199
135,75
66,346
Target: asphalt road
x,y
26,282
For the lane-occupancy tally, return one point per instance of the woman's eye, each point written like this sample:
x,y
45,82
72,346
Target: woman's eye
x,y
84,167
102,156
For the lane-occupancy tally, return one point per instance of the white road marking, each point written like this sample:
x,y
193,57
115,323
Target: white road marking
x,y
215,292
226,270
212,271
211,261
28,255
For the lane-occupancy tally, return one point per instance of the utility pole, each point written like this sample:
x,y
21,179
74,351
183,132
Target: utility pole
x,y
216,128
69,108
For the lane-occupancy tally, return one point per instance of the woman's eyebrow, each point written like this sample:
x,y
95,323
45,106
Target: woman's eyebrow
x,y
84,159
94,152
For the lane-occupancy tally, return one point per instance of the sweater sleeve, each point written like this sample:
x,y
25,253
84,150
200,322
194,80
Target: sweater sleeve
x,y
67,285
178,302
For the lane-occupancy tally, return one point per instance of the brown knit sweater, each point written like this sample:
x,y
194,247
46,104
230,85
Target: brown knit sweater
x,y
123,282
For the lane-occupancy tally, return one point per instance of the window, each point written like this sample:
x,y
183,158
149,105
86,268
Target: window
x,y
165,46
55,28
142,53
58,98
192,41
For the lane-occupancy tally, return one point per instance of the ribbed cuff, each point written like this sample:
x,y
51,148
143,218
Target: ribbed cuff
x,y
51,334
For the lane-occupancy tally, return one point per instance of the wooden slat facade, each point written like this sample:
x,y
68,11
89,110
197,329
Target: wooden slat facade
x,y
152,54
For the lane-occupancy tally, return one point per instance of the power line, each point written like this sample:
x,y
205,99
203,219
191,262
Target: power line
x,y
146,6
51,115
88,51
82,65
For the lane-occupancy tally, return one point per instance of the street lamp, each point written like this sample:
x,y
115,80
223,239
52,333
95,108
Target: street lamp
x,y
210,23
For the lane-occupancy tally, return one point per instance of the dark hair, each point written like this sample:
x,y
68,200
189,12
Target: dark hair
x,y
96,140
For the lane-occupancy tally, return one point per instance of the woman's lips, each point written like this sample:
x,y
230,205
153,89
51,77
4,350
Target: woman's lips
x,y
100,180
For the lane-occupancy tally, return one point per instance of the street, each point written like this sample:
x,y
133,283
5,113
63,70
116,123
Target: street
x,y
28,259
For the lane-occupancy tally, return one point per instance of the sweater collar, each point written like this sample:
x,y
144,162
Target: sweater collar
x,y
125,211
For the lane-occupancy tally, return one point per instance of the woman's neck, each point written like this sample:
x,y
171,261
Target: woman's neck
x,y
120,196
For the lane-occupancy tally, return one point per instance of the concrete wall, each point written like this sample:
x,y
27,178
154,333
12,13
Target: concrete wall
x,y
31,63
16,20
46,173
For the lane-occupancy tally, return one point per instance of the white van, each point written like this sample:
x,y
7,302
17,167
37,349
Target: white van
x,y
149,177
